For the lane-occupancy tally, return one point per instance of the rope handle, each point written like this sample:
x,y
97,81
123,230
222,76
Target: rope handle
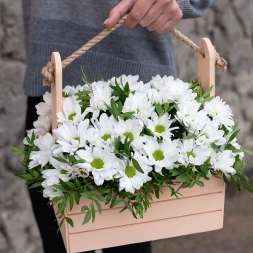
x,y
48,70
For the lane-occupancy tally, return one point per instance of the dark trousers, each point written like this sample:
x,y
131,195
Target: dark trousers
x,y
44,214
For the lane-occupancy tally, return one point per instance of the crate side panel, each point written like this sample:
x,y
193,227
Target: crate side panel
x,y
148,231
160,210
214,185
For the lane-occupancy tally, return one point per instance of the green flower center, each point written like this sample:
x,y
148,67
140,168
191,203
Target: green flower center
x,y
160,129
97,163
158,155
105,137
130,171
129,135
77,139
71,116
190,153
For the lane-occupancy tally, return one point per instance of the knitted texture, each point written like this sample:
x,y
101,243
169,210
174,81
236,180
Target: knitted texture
x,y
64,26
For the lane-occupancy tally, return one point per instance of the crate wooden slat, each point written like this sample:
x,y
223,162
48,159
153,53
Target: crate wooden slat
x,y
200,209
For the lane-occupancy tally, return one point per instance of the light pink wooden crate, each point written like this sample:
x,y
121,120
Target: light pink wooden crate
x,y
200,209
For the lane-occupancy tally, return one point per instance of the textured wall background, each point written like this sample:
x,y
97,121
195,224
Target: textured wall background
x,y
229,24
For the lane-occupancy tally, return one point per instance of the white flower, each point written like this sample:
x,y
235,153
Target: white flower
x,y
51,192
223,161
193,154
45,108
43,124
160,126
132,81
65,169
130,128
139,104
162,155
44,155
235,144
29,134
104,131
210,134
101,163
174,89
220,112
131,179
188,113
71,111
71,137
102,94
71,90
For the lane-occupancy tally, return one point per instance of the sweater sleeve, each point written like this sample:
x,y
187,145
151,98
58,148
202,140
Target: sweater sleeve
x,y
194,8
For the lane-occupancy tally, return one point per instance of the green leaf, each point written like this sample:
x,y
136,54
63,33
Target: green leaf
x,y
101,198
76,197
248,187
208,91
116,143
60,159
93,213
17,151
233,135
70,221
55,199
191,184
71,201
199,183
35,185
113,204
87,195
137,165
61,207
25,176
102,190
87,217
60,188
66,185
126,115
98,206
84,208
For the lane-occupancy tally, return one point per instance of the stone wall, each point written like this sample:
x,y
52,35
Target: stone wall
x,y
229,25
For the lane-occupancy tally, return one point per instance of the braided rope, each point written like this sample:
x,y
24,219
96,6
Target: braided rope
x,y
48,70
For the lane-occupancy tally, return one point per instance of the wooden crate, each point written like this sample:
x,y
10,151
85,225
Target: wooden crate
x,y
200,209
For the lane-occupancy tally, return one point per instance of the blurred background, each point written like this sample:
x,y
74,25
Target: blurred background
x,y
229,25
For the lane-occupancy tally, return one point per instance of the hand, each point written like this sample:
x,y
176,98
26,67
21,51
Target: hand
x,y
156,15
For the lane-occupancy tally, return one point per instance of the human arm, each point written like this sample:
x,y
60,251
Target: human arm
x,y
156,15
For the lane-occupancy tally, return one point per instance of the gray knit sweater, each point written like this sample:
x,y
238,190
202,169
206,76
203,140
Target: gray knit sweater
x,y
65,25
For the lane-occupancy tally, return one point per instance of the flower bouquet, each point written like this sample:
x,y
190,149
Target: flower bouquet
x,y
122,142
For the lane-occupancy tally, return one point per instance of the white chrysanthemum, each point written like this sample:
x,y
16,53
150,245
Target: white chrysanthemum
x,y
46,145
51,178
193,154
131,179
220,112
71,90
210,134
71,111
65,169
29,134
130,128
139,104
71,137
132,81
43,124
160,126
235,144
45,108
162,155
104,131
174,89
101,163
188,113
102,94
223,161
